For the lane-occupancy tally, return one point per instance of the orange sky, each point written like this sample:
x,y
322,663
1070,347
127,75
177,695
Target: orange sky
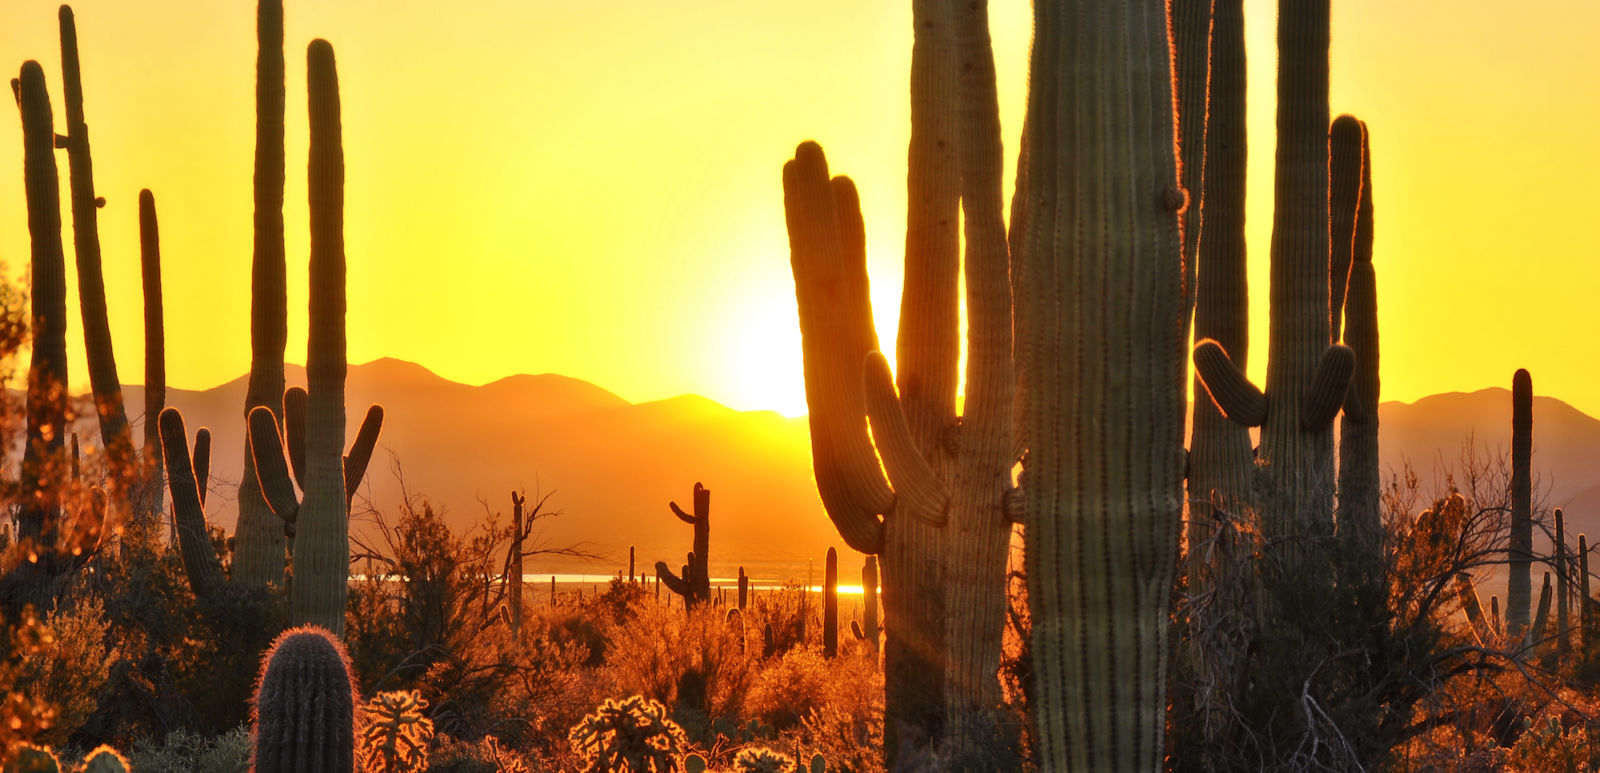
x,y
594,190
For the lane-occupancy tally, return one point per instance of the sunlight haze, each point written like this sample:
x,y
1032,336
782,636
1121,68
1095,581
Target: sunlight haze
x,y
595,190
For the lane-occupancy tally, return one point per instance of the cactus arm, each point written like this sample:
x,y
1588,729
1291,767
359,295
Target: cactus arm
x,y
273,475
1345,140
202,462
682,516
831,294
1472,608
1328,387
1535,635
294,431
155,362
918,491
1191,45
1230,389
355,462
673,582
200,561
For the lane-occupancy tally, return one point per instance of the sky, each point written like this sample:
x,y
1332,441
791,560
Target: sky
x,y
594,189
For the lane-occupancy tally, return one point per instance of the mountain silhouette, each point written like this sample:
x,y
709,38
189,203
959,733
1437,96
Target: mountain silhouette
x,y
611,466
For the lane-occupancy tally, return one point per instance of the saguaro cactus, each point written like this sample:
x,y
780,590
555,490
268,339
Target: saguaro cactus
x,y
830,605
115,432
305,706
43,461
155,352
1519,552
1102,334
1563,594
321,520
1306,376
694,585
260,537
1359,486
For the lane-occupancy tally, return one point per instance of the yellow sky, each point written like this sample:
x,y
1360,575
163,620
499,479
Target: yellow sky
x,y
593,189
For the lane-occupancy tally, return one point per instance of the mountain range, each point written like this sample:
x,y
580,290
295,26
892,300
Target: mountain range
x,y
611,466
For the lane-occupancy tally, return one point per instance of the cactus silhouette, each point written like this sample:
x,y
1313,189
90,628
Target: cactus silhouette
x,y
1359,482
1519,549
115,433
44,462
1563,588
260,552
320,522
304,707
1100,325
830,605
155,352
1307,377
632,735
694,585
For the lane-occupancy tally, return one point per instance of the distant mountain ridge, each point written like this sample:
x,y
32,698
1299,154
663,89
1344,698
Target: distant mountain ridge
x,y
613,465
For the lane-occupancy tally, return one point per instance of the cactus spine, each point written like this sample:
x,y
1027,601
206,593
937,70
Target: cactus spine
x,y
115,432
260,537
1102,334
1519,553
304,706
1359,485
155,353
830,605
694,584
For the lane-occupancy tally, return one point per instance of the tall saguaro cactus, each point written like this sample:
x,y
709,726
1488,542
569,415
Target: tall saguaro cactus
x,y
1307,378
115,432
1102,337
260,550
155,351
695,584
1519,553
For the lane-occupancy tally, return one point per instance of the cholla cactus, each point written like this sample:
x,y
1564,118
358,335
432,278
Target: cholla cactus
x,y
629,736
396,735
758,760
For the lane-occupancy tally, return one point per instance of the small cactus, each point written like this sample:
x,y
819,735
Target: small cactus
x,y
105,759
632,735
396,735
830,605
760,760
304,706
33,759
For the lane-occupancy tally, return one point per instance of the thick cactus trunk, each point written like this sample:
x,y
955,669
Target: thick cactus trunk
x,y
978,537
1103,342
1360,493
115,432
830,605
155,353
1298,452
1519,553
260,539
322,548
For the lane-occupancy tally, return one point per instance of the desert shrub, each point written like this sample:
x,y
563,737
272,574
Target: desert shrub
x,y
181,751
70,673
692,661
485,756
633,735
23,717
763,760
1547,747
